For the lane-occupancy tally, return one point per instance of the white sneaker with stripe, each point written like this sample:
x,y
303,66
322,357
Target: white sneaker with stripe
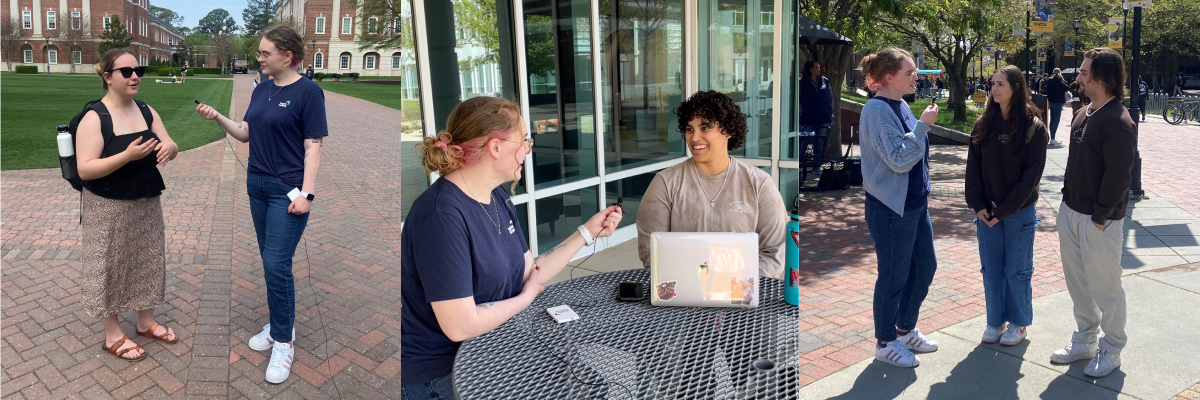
x,y
917,342
280,366
896,354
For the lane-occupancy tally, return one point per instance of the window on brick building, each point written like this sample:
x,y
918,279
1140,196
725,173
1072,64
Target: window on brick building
x,y
347,22
51,20
26,19
76,20
320,25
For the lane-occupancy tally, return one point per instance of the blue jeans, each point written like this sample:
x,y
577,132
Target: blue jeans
x,y
1055,116
278,234
437,389
1006,253
906,263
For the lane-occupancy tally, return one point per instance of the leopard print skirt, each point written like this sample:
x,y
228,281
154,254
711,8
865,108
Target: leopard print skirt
x,y
124,255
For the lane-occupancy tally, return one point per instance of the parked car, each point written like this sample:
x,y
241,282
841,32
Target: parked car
x,y
1191,83
240,67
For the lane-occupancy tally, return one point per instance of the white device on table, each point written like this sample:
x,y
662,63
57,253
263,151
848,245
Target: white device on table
x,y
562,313
704,269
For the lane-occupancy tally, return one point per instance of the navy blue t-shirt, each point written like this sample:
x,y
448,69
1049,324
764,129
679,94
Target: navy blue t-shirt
x,y
918,177
450,250
280,119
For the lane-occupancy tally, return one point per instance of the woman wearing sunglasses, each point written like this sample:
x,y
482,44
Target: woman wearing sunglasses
x,y
286,120
465,266
120,143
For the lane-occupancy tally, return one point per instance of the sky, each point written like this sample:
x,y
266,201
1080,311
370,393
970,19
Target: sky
x,y
193,11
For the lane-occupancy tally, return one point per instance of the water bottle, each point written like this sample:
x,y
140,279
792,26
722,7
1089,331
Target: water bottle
x,y
791,269
66,153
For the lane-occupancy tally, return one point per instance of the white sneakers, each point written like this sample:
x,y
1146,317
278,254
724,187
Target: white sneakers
x,y
896,354
280,366
282,354
992,333
1074,352
263,341
915,341
1103,364
1014,335
1055,142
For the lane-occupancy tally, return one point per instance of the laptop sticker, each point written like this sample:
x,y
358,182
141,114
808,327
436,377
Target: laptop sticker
x,y
666,290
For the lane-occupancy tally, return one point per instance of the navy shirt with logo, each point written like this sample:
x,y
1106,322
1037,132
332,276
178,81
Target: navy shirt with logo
x,y
450,250
280,119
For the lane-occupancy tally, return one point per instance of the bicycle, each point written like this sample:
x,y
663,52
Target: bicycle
x,y
1179,112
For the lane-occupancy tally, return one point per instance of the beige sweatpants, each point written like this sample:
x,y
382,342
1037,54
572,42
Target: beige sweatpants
x,y
1091,261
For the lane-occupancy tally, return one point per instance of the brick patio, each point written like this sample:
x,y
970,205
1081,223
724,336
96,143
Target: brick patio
x,y
215,294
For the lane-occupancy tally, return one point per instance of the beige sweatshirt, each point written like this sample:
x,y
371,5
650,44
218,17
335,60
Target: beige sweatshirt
x,y
750,202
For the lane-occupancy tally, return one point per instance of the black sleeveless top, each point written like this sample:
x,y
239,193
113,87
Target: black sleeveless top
x,y
137,179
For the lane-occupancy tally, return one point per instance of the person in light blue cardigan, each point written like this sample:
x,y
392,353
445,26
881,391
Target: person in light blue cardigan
x,y
895,168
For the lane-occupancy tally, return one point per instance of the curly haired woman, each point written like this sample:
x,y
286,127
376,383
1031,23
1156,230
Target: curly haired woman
x,y
711,191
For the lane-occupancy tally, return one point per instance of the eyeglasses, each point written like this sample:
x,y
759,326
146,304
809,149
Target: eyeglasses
x,y
263,54
528,142
127,71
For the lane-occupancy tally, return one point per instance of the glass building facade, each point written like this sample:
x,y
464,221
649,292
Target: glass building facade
x,y
597,81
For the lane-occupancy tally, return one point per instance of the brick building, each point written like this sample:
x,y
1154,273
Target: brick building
x,y
53,19
335,50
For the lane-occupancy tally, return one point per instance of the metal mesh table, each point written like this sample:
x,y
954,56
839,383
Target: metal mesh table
x,y
635,350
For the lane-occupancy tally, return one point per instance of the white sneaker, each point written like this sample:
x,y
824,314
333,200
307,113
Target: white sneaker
x,y
1014,335
915,341
896,354
263,340
1055,142
280,366
1074,352
1103,364
992,333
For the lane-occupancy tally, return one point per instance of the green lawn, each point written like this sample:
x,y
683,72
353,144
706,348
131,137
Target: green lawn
x,y
31,106
944,114
385,95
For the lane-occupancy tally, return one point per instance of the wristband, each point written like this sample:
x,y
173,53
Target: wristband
x,y
587,236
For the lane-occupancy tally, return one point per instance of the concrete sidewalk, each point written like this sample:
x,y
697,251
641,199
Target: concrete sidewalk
x,y
1162,287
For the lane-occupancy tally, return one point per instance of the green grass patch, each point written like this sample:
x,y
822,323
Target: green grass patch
x,y
385,95
31,106
945,116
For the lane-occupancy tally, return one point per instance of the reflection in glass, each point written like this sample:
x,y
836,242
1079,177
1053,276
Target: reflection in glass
x,y
789,185
558,216
790,98
641,62
413,180
631,190
561,121
736,45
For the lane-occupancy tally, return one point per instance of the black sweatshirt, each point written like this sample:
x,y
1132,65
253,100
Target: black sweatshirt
x,y
1101,160
996,173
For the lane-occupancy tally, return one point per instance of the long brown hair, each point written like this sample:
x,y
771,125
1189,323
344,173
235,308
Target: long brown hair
x,y
1108,69
1021,111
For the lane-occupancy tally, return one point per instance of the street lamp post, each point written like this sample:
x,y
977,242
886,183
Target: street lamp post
x,y
47,56
1077,46
226,58
1028,16
1135,189
170,55
314,53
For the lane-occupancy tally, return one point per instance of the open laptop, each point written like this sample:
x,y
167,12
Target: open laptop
x,y
708,269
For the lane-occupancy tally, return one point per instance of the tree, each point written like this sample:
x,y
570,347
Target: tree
x,y
388,12
217,22
10,35
114,36
857,21
257,15
224,47
166,16
478,21
953,32
74,39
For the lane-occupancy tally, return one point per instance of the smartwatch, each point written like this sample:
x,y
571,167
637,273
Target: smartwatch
x,y
308,196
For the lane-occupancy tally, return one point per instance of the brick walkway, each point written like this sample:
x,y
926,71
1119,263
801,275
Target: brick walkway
x,y
215,294
839,266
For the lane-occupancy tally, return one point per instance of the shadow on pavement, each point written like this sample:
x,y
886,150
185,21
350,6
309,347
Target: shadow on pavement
x,y
1066,386
1001,371
880,381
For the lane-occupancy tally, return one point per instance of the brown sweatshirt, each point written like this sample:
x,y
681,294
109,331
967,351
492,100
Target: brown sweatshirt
x,y
750,202
995,173
1100,162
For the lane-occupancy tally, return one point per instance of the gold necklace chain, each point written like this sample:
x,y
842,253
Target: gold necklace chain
x,y
495,222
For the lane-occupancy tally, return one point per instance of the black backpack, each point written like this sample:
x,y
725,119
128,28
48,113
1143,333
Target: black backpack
x,y
106,129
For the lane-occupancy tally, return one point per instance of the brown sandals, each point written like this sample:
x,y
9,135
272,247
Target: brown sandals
x,y
163,337
113,350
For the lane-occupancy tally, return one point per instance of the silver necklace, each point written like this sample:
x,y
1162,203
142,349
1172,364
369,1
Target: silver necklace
x,y
1090,111
495,222
269,94
712,201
